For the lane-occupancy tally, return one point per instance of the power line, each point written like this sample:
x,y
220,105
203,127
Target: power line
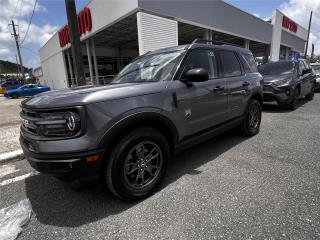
x,y
15,8
34,8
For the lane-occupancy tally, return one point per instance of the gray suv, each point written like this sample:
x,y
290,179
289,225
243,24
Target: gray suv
x,y
125,133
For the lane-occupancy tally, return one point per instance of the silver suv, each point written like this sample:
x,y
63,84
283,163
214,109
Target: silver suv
x,y
125,133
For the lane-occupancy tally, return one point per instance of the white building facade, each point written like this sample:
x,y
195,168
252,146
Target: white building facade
x,y
113,32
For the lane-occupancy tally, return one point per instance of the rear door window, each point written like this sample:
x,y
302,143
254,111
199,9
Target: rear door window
x,y
249,63
231,65
301,67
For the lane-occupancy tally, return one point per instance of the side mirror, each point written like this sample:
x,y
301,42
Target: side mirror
x,y
305,71
196,75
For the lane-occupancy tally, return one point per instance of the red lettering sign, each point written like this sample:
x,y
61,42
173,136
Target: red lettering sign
x,y
289,24
84,26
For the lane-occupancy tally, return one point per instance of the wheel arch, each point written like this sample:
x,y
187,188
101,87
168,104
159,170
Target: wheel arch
x,y
156,121
258,97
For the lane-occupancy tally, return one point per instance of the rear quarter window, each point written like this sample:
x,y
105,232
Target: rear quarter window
x,y
249,63
230,64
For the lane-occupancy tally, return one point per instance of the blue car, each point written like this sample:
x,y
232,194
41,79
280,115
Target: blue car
x,y
26,90
8,85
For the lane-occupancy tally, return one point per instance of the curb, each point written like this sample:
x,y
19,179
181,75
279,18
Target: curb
x,y
11,155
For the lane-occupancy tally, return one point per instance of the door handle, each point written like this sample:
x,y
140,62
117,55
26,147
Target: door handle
x,y
245,84
218,88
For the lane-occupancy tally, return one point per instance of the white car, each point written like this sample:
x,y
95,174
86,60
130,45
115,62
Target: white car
x,y
316,69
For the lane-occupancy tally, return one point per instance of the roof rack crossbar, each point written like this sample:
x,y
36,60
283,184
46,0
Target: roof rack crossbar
x,y
214,42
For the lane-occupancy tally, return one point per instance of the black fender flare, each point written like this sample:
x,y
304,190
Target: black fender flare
x,y
135,119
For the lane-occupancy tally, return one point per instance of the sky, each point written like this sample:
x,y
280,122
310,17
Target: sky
x,y
50,15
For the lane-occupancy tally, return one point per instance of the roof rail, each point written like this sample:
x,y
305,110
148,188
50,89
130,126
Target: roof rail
x,y
197,40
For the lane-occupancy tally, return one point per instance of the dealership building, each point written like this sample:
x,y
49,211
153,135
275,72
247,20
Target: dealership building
x,y
113,32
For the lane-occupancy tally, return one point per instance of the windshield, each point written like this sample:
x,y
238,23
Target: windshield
x,y
276,68
150,68
316,68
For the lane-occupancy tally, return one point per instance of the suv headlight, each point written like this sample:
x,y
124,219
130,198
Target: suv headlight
x,y
59,124
281,82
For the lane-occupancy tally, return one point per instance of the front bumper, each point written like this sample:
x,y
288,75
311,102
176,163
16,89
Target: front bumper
x,y
73,165
279,94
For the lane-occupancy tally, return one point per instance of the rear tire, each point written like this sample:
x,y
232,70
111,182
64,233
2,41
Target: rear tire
x,y
14,95
310,96
251,124
137,164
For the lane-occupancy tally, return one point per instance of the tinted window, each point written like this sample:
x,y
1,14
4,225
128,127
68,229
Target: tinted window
x,y
230,63
277,68
249,63
202,59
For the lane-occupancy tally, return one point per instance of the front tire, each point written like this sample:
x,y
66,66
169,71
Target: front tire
x,y
137,164
252,121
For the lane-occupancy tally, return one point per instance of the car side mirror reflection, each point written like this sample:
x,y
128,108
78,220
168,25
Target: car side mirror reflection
x,y
196,75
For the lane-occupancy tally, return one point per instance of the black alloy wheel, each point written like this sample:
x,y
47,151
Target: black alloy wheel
x,y
252,120
136,164
143,164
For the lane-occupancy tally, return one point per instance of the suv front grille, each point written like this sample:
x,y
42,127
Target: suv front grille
x,y
28,119
56,123
268,88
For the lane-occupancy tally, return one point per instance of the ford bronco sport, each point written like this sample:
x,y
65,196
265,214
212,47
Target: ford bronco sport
x,y
126,132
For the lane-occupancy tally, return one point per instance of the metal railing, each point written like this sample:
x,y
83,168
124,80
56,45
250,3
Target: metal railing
x,y
99,80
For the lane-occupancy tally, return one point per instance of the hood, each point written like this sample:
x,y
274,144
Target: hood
x,y
273,78
89,94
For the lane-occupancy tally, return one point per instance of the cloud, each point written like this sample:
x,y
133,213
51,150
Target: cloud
x,y
299,10
20,11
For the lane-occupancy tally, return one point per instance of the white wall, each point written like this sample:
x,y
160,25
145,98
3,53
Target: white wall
x,y
53,65
155,32
104,13
54,74
291,39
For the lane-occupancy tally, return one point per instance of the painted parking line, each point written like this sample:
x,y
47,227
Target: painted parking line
x,y
7,169
16,179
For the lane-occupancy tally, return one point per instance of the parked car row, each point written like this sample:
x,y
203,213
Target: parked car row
x,y
9,84
287,81
125,133
316,71
14,89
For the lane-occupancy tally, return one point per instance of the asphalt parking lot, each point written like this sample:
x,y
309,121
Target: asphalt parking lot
x,y
265,187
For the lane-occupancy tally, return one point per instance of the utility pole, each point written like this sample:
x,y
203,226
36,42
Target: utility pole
x,y
16,38
18,65
312,51
305,53
75,42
